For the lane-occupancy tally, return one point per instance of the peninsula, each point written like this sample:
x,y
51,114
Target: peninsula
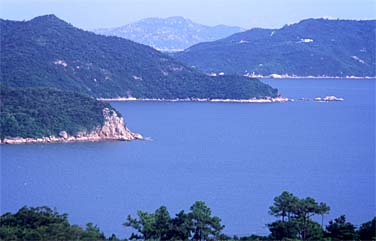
x,y
42,115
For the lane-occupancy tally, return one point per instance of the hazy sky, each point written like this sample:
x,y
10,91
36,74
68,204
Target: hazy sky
x,y
89,14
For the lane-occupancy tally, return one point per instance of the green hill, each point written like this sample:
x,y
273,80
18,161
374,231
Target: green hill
x,y
41,112
48,52
312,47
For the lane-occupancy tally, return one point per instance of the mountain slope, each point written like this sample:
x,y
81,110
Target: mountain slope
x,y
169,34
312,47
48,52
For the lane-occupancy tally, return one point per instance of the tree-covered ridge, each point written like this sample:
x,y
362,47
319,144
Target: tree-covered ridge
x,y
40,112
312,47
48,52
293,213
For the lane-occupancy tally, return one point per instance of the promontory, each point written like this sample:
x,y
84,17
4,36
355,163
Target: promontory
x,y
42,115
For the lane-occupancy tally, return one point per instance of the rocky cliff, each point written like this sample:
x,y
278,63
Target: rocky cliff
x,y
113,129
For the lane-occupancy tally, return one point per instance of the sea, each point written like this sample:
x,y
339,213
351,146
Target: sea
x,y
236,157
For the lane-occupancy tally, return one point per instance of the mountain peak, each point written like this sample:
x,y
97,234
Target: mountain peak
x,y
178,18
46,17
173,33
49,18
167,20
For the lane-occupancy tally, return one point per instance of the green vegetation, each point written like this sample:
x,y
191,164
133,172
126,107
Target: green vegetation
x,y
43,223
312,47
367,231
295,214
198,224
40,112
339,229
48,52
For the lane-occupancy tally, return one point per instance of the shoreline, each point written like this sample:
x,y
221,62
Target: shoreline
x,y
113,129
281,76
254,100
330,98
71,139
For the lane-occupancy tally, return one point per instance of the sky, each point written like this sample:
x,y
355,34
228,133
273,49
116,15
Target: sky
x,y
91,14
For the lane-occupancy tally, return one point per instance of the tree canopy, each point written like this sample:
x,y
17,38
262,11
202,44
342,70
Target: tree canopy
x,y
198,224
299,224
44,223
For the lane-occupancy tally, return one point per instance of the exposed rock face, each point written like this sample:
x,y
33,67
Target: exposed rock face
x,y
112,129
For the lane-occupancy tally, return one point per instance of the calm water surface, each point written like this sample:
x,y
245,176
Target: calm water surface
x,y
235,157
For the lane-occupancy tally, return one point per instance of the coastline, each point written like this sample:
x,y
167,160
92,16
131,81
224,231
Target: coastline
x,y
329,98
286,76
113,129
69,139
254,100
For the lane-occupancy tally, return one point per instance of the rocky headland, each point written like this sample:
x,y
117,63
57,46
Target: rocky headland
x,y
113,129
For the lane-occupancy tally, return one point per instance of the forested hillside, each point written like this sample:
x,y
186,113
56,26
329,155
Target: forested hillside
x,y
41,112
48,52
312,47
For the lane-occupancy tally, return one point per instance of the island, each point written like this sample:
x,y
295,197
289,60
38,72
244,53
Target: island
x,y
43,115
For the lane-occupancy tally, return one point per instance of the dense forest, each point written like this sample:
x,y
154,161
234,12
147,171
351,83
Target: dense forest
x,y
312,47
293,222
48,52
40,112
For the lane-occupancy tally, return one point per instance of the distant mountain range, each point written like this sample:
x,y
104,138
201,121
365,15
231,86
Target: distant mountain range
x,y
312,47
48,52
169,34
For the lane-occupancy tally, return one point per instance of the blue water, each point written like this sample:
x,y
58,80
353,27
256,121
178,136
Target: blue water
x,y
235,157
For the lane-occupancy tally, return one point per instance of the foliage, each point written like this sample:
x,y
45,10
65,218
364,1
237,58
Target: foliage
x,y
367,231
312,47
284,205
203,223
339,229
43,223
39,112
198,224
48,52
298,212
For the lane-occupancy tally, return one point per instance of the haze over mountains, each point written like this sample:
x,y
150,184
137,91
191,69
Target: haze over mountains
x,y
169,34
312,47
48,52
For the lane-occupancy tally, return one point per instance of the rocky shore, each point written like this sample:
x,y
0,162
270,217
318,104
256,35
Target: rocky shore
x,y
279,99
254,100
112,129
286,76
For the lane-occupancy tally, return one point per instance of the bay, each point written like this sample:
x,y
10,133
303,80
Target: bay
x,y
234,156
